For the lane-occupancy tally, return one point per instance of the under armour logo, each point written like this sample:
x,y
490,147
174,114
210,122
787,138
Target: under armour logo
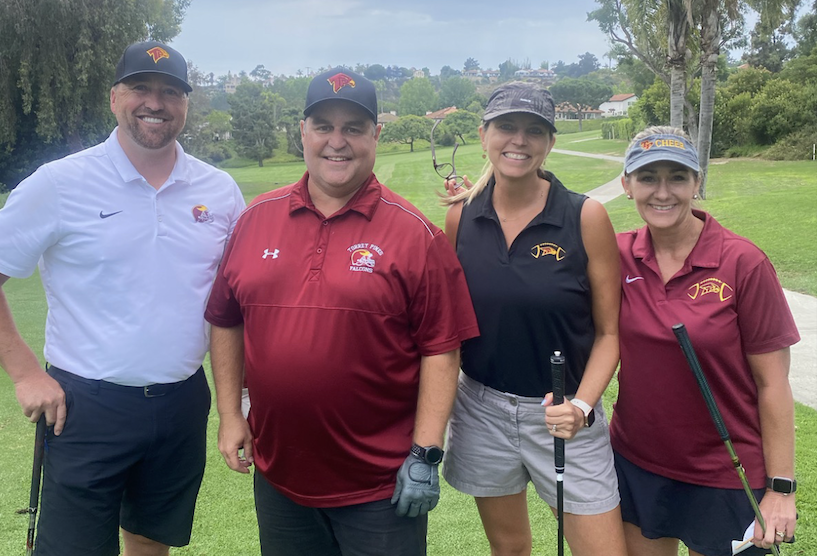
x,y
273,254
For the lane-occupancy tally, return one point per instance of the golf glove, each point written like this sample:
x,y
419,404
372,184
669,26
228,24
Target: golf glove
x,y
418,487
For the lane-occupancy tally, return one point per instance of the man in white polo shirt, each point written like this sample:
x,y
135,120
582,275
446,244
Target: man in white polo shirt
x,y
128,236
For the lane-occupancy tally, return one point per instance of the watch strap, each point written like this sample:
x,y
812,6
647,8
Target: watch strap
x,y
589,413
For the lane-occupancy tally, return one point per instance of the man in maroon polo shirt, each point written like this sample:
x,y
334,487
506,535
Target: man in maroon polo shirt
x,y
345,308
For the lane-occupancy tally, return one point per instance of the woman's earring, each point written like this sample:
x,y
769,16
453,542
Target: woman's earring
x,y
695,196
629,196
484,156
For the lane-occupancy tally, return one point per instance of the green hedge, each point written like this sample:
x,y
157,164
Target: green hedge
x,y
618,129
572,126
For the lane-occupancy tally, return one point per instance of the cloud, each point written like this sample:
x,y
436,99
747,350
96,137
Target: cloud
x,y
290,35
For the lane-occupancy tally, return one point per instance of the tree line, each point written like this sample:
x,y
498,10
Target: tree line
x,y
57,60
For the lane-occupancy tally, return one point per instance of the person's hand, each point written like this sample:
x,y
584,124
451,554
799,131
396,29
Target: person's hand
x,y
40,394
780,515
452,188
418,487
234,436
566,417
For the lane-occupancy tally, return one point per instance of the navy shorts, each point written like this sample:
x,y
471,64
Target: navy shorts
x,y
371,529
128,456
705,519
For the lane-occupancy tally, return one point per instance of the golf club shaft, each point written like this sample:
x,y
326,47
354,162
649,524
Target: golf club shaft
x,y
36,472
557,371
682,335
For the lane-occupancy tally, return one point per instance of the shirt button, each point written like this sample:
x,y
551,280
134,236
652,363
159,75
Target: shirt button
x,y
160,219
326,222
319,251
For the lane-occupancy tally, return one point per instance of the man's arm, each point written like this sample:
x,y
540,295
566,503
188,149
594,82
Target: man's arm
x,y
227,358
438,388
37,393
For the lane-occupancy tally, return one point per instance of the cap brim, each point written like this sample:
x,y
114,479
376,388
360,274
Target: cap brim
x,y
488,118
308,110
185,87
651,156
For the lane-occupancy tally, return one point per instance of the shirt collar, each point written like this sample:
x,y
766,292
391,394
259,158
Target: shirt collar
x,y
553,213
365,201
127,171
706,253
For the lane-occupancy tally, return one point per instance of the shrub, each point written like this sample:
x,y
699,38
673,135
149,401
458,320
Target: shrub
x,y
618,129
794,146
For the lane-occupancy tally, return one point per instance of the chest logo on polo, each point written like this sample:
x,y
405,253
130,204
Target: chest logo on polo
x,y
545,249
202,214
364,257
711,286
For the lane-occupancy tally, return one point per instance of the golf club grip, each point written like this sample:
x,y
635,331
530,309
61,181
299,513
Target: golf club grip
x,y
681,334
36,471
557,373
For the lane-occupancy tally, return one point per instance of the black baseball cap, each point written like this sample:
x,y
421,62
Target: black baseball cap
x,y
152,57
340,83
520,96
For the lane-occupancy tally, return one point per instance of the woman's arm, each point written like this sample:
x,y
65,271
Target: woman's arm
x,y
776,406
603,270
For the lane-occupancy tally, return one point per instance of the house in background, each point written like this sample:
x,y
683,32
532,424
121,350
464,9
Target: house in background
x,y
387,117
568,111
441,114
618,105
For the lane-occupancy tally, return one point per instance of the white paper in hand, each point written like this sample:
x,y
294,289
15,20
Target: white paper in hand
x,y
746,543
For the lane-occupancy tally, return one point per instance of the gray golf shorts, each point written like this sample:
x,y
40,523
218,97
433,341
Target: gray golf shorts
x,y
498,442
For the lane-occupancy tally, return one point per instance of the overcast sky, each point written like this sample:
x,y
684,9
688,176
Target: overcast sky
x,y
290,35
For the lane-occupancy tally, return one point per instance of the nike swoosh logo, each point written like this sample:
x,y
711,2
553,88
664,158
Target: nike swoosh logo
x,y
101,215
631,280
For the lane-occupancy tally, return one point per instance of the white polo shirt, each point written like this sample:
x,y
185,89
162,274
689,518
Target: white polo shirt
x,y
127,269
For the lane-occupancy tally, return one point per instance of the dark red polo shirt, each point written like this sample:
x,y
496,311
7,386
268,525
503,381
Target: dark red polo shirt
x,y
728,296
337,314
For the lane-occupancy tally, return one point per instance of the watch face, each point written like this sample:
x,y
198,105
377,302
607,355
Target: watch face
x,y
780,484
434,455
590,419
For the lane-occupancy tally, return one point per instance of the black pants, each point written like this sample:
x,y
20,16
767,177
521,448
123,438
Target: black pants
x,y
372,529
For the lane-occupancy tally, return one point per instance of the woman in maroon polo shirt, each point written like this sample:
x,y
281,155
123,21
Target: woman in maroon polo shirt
x,y
675,476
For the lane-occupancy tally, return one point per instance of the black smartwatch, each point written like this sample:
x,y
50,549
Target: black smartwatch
x,y
432,455
783,485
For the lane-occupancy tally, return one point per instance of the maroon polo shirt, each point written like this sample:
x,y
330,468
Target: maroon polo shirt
x,y
728,296
337,313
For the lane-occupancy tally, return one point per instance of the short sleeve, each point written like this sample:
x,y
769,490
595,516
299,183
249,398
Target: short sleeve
x,y
765,320
223,309
29,224
441,313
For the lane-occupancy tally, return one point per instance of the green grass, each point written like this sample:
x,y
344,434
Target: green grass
x,y
771,203
591,142
774,204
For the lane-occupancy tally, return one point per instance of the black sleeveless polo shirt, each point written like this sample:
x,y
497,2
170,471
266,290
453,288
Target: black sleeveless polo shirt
x,y
531,300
